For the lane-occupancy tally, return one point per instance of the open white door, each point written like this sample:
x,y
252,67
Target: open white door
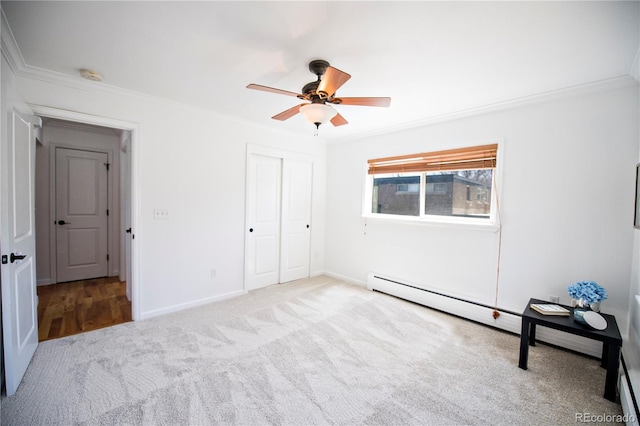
x,y
296,220
19,297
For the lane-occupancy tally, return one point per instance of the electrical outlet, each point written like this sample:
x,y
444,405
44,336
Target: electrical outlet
x,y
554,299
160,214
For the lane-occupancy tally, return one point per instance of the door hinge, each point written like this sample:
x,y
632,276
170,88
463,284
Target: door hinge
x,y
107,212
107,257
107,166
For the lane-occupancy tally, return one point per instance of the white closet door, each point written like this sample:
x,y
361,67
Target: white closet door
x,y
262,262
296,220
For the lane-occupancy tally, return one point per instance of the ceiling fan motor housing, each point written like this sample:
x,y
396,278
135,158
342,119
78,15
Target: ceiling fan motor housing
x,y
318,67
310,89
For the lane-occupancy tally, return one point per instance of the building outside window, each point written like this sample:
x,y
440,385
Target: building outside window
x,y
460,189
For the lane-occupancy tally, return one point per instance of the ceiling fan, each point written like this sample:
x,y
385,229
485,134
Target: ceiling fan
x,y
319,93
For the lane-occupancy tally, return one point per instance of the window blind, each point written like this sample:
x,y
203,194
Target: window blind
x,y
471,158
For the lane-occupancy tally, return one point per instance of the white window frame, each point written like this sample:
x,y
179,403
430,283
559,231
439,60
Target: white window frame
x,y
490,224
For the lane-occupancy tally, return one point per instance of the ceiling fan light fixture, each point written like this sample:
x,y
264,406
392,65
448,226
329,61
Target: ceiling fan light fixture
x,y
317,113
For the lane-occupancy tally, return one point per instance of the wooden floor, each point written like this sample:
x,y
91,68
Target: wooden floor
x,y
75,307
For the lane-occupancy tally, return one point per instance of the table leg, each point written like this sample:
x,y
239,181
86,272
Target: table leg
x,y
524,344
532,334
605,355
613,364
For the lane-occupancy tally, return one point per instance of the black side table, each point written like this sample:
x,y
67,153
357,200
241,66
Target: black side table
x,y
610,338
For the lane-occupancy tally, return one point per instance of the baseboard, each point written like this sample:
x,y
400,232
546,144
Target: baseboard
x,y
478,312
344,278
193,304
44,281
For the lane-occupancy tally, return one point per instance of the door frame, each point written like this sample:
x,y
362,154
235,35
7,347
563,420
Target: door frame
x,y
267,151
73,116
53,248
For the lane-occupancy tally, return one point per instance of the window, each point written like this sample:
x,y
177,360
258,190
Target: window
x,y
407,187
436,187
455,183
389,198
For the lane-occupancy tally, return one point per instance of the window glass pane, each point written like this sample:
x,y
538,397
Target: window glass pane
x,y
465,193
396,194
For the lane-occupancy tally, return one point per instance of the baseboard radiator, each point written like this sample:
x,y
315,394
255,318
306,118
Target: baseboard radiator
x,y
628,385
508,320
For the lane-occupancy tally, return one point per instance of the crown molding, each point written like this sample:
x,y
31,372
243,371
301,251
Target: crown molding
x,y
583,89
20,68
56,78
10,50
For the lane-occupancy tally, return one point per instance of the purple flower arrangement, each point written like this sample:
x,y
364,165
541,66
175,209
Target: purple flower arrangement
x,y
589,291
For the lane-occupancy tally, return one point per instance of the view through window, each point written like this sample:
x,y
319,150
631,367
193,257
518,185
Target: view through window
x,y
453,183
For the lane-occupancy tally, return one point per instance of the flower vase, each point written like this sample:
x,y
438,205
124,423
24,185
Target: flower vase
x,y
578,314
581,306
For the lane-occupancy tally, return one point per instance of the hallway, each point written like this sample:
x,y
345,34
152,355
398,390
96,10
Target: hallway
x,y
78,306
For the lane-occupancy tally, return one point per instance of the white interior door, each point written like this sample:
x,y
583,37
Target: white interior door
x,y
81,214
19,297
296,220
262,262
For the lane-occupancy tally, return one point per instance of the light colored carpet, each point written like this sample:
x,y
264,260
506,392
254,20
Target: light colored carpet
x,y
314,351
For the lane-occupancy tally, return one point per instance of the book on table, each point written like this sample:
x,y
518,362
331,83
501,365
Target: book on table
x,y
549,309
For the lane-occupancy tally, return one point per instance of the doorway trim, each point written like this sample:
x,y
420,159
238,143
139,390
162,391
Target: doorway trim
x,y
73,116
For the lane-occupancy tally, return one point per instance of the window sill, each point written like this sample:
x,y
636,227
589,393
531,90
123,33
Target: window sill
x,y
451,223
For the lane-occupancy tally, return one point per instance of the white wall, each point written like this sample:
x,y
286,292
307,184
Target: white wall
x,y
566,196
191,163
631,349
78,137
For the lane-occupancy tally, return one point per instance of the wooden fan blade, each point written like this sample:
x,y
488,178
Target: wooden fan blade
x,y
338,120
285,115
332,79
377,102
272,90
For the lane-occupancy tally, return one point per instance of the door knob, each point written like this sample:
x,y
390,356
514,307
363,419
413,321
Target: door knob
x,y
250,229
62,222
13,257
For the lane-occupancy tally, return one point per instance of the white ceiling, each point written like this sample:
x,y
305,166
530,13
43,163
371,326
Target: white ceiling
x,y
431,58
